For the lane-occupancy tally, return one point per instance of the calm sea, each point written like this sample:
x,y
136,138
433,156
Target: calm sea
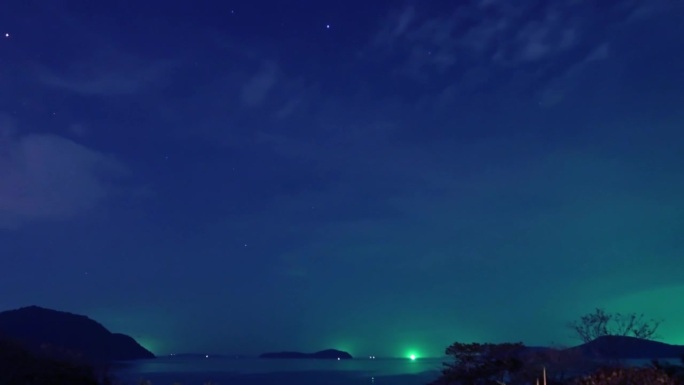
x,y
252,371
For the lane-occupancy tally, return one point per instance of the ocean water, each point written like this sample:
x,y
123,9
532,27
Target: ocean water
x,y
253,371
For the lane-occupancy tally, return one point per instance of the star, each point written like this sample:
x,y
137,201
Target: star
x,y
7,35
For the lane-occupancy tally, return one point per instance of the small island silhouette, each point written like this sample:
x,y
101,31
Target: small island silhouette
x,y
328,354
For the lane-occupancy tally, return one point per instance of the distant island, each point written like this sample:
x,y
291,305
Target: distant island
x,y
65,335
328,354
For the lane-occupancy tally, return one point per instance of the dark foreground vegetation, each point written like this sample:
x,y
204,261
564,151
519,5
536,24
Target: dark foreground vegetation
x,y
610,341
19,366
513,364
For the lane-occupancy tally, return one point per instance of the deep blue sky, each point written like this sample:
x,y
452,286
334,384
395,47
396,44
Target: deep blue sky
x,y
384,176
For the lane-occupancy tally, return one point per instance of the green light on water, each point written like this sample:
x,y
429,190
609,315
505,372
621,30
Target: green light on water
x,y
412,357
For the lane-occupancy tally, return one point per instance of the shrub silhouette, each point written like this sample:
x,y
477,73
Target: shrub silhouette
x,y
18,367
628,376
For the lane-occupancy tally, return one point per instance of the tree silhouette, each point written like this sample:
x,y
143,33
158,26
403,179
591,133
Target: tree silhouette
x,y
476,363
600,323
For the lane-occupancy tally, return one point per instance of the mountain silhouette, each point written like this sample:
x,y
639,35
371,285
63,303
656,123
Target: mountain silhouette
x,y
61,334
623,347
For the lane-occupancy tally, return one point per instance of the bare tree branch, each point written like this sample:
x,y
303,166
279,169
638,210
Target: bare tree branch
x,y
600,323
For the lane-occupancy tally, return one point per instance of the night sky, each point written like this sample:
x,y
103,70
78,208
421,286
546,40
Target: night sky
x,y
374,176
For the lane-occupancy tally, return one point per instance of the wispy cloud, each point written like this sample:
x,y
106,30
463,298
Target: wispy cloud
x,y
107,72
262,82
496,33
48,177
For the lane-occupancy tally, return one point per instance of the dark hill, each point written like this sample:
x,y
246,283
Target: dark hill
x,y
330,354
621,347
61,334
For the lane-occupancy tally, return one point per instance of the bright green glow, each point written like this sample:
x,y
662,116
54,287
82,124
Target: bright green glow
x,y
655,303
348,345
412,354
149,344
133,323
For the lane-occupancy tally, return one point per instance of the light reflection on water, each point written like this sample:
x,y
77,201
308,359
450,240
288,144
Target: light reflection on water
x,y
253,371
